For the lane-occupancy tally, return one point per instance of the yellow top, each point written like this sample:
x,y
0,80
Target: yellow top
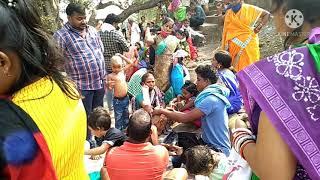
x,y
62,121
238,36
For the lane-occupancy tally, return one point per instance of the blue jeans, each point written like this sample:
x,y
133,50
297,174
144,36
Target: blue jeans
x,y
109,98
92,99
121,112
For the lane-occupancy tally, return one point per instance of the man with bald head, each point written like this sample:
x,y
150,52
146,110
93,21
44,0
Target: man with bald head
x,y
137,158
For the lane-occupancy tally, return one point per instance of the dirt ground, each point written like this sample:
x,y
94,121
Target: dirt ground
x,y
270,43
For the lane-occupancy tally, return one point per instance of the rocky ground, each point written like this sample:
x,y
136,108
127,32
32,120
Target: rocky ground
x,y
270,43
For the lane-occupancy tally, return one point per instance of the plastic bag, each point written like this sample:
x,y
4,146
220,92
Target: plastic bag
x,y
180,14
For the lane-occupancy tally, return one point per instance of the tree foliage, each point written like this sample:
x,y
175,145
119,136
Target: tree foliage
x,y
49,9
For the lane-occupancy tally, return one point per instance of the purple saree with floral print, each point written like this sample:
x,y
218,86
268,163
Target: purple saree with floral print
x,y
286,87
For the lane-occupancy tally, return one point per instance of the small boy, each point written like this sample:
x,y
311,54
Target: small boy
x,y
117,81
99,122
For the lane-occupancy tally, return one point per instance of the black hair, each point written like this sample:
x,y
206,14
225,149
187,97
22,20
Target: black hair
x,y
145,76
191,88
20,29
193,3
223,58
207,73
112,18
75,8
183,32
99,118
199,159
309,8
180,60
166,20
139,126
138,43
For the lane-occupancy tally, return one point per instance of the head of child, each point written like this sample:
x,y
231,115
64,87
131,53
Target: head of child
x,y
186,23
221,60
148,80
116,64
189,89
179,56
200,161
181,34
138,45
99,121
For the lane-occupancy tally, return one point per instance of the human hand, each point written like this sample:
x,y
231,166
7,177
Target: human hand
x,y
258,28
95,157
173,149
111,84
170,108
148,108
157,111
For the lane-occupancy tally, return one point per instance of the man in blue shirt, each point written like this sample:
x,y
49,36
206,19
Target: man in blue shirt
x,y
211,106
199,16
83,52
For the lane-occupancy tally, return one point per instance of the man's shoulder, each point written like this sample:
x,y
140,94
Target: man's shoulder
x,y
208,103
61,32
161,151
112,33
210,99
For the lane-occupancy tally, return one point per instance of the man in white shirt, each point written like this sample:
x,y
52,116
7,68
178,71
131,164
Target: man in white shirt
x,y
134,32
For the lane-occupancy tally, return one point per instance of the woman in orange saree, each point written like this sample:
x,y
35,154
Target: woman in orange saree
x,y
242,22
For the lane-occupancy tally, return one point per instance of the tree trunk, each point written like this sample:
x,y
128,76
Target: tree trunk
x,y
49,11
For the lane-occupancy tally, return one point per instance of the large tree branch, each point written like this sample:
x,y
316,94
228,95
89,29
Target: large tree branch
x,y
138,7
109,3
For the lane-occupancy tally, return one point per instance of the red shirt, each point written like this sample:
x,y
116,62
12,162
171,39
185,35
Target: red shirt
x,y
137,161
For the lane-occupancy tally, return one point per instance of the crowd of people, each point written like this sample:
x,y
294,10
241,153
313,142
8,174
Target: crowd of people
x,y
46,116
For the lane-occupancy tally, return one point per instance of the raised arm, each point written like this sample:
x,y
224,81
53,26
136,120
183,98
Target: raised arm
x,y
263,20
270,157
127,60
148,37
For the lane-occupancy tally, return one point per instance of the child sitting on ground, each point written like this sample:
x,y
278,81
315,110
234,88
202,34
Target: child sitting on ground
x,y
222,62
179,73
201,160
185,102
99,122
117,81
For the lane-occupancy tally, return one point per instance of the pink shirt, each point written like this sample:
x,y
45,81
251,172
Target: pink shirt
x,y
137,161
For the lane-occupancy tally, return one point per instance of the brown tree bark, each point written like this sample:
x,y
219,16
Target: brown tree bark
x,y
49,11
134,8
